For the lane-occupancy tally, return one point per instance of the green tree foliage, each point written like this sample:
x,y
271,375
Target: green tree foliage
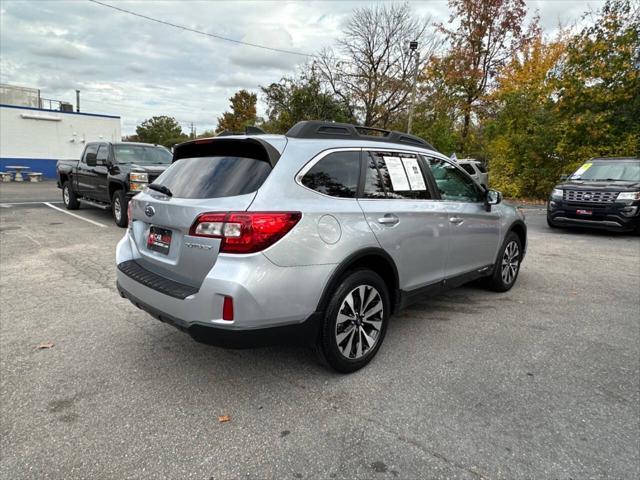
x,y
521,132
161,130
598,85
242,114
487,34
559,103
292,100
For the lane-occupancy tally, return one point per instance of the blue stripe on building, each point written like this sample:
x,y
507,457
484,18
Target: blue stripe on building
x,y
46,166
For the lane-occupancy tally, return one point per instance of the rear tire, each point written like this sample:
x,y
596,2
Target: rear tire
x,y
507,267
355,321
119,204
69,197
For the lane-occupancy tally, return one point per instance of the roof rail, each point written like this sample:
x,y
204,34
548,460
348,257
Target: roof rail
x,y
319,129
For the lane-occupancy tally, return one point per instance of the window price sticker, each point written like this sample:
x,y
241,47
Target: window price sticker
x,y
416,180
581,170
397,174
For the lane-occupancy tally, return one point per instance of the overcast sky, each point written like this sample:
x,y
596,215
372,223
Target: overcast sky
x,y
135,68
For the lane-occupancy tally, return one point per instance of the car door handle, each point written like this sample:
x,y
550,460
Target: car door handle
x,y
389,219
456,220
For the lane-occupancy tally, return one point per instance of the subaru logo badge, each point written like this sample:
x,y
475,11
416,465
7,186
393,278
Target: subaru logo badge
x,y
149,211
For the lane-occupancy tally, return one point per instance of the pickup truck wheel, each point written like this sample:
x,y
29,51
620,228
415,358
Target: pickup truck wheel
x,y
507,267
355,321
69,197
119,208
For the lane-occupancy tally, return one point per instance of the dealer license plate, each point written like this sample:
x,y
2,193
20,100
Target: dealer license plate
x,y
584,212
159,240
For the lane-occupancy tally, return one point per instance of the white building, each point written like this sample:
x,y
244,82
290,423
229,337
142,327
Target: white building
x,y
36,137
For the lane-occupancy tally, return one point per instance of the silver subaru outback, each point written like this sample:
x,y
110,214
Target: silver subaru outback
x,y
319,235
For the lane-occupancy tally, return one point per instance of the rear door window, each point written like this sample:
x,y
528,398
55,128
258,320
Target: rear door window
x,y
395,175
214,177
336,175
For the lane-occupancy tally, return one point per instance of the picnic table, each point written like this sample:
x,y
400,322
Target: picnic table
x,y
18,169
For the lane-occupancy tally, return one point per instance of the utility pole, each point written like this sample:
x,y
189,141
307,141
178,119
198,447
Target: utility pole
x,y
77,100
413,47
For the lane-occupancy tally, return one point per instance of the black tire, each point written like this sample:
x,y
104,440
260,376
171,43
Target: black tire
x,y
501,281
550,223
119,211
69,197
358,351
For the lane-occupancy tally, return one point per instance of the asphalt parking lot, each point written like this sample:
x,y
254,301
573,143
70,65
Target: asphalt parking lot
x,y
539,382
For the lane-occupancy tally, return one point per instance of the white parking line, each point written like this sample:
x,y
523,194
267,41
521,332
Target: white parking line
x,y
8,205
74,215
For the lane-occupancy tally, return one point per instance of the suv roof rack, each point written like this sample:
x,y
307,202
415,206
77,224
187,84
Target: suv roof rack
x,y
319,129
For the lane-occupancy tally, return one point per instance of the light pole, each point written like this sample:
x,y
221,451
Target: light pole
x,y
413,47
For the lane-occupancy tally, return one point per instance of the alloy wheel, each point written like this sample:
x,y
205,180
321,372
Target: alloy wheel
x,y
510,262
65,194
359,322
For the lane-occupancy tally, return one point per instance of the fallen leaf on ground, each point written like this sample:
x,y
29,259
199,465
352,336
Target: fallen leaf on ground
x,y
44,345
224,418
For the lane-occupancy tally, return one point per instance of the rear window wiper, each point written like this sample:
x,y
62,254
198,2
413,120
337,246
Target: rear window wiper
x,y
160,188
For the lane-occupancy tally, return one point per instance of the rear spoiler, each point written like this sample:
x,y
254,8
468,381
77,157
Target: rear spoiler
x,y
249,147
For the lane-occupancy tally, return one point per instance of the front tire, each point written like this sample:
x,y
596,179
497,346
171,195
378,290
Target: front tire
x,y
355,321
69,197
119,208
550,223
507,267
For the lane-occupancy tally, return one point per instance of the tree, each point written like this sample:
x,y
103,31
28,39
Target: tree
x,y
161,130
488,33
292,100
521,130
371,71
242,114
598,86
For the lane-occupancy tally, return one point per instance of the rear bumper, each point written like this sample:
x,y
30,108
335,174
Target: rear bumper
x,y
268,301
609,217
304,333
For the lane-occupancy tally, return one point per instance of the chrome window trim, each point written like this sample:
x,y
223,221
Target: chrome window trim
x,y
311,163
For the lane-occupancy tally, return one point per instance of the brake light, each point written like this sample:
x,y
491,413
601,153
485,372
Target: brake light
x,y
245,232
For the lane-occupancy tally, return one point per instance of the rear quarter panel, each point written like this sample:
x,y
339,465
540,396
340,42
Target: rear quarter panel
x,y
330,228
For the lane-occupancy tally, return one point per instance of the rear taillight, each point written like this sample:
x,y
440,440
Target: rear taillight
x,y
245,232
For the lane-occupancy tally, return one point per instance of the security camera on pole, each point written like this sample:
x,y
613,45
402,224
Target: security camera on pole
x,y
413,47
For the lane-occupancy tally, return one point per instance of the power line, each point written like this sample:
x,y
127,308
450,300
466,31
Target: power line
x,y
200,32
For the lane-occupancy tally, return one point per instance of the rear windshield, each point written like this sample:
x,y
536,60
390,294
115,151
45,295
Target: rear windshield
x,y
214,177
142,155
609,170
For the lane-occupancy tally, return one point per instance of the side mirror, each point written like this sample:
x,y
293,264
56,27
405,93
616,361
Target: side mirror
x,y
91,160
493,198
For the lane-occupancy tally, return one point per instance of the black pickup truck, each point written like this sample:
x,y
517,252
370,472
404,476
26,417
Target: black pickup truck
x,y
109,173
